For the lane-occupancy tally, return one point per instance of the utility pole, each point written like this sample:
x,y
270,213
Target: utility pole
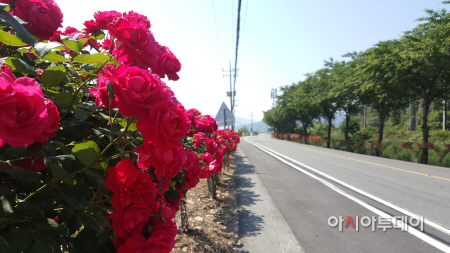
x,y
224,120
412,117
232,92
273,95
444,114
365,116
251,115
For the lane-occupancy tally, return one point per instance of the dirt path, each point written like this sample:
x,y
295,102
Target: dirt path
x,y
212,224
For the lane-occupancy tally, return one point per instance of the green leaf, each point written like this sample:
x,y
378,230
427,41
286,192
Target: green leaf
x,y
71,201
66,98
98,35
132,126
7,208
10,40
87,152
53,76
32,210
43,48
3,243
19,65
20,239
5,7
83,41
92,174
74,45
22,174
23,50
55,58
86,240
23,34
59,172
91,58
41,247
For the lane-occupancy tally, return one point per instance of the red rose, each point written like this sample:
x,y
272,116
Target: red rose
x,y
159,242
135,44
192,165
43,16
193,170
126,221
210,124
206,169
130,185
105,18
197,140
90,26
26,116
107,44
211,145
167,161
164,126
37,166
136,19
167,63
137,90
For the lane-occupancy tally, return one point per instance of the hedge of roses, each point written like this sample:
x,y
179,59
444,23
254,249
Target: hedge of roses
x,y
414,149
96,152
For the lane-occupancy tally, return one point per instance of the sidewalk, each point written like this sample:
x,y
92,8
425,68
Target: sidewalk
x,y
262,228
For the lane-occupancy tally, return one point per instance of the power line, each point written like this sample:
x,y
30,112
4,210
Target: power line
x,y
217,32
245,20
236,57
237,38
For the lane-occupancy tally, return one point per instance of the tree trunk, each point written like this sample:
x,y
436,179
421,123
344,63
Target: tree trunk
x,y
329,130
425,130
380,135
347,121
305,131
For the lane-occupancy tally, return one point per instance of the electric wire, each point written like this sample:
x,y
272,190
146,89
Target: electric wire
x,y
217,31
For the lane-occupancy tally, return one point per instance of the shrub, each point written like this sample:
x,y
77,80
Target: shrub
x,y
354,126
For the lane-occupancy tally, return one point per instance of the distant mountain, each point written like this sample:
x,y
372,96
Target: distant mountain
x,y
257,126
242,121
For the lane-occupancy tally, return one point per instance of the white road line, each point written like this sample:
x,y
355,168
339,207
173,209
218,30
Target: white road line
x,y
439,245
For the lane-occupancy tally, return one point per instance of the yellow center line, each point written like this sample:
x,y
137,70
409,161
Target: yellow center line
x,y
381,165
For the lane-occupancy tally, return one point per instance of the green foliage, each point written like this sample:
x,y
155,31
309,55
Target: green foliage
x,y
318,129
53,76
10,40
366,134
43,48
353,126
244,130
71,186
22,33
91,58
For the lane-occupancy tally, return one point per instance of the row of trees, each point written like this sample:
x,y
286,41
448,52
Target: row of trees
x,y
386,77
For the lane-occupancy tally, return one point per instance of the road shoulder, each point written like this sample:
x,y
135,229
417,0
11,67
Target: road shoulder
x,y
262,228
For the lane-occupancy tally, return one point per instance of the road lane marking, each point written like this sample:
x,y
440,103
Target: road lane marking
x,y
381,165
411,230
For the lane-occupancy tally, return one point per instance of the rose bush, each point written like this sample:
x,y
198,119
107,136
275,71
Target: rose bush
x,y
96,152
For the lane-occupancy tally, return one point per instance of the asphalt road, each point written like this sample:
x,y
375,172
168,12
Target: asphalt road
x,y
337,183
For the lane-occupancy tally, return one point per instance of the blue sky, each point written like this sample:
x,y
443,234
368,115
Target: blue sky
x,y
280,40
